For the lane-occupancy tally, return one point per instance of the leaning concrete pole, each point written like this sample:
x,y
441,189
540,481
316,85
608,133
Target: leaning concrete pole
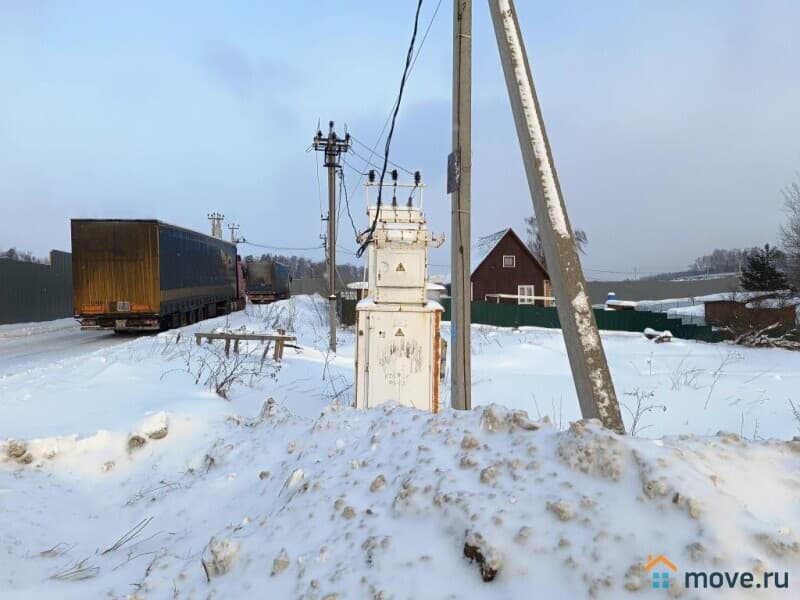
x,y
585,350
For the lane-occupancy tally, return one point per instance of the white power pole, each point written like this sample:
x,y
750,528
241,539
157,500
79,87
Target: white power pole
x,y
587,359
216,224
459,184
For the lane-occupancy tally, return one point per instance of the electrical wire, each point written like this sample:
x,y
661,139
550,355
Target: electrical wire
x,y
411,68
359,172
394,164
343,187
367,162
279,247
409,58
345,250
319,190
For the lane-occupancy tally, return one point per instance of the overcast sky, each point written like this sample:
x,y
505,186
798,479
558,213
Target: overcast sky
x,y
674,125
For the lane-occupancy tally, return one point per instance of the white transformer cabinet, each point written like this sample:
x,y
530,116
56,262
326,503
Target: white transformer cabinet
x,y
398,354
398,255
398,343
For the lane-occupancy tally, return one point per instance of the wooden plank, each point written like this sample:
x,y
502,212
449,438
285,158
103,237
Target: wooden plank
x,y
279,339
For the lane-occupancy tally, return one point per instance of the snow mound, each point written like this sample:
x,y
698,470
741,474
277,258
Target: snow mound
x,y
393,502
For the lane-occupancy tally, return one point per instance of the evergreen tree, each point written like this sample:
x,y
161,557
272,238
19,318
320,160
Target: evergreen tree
x,y
761,273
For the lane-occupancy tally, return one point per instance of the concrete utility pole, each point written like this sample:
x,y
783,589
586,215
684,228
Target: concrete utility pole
x,y
459,184
233,228
216,224
332,146
585,350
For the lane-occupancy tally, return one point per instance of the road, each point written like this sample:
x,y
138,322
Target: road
x,y
37,344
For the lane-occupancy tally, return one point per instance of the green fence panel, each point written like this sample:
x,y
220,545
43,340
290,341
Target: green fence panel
x,y
515,315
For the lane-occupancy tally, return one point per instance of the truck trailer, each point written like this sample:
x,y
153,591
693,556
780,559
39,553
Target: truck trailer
x,y
267,281
145,275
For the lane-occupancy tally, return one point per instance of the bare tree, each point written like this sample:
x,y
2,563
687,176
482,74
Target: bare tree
x,y
22,256
790,233
534,239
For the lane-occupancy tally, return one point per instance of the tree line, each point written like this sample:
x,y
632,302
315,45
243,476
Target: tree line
x,y
22,256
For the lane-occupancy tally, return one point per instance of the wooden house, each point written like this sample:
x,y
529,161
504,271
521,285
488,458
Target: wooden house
x,y
504,270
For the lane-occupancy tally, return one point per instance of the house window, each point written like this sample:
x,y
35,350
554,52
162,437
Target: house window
x,y
525,294
509,261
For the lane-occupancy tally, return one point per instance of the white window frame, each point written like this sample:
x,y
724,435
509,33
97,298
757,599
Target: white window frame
x,y
523,295
513,258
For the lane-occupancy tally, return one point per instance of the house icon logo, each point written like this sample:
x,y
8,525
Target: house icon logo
x,y
658,566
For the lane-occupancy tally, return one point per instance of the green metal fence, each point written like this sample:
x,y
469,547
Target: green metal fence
x,y
515,315
34,292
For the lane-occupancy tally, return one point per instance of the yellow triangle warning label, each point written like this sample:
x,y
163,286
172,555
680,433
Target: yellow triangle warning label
x,y
400,268
399,333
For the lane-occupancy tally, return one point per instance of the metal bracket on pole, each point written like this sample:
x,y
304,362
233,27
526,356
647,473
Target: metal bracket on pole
x,y
587,359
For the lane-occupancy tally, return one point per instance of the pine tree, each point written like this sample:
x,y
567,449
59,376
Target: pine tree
x,y
761,273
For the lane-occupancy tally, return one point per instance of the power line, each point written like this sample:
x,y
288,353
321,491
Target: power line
x,y
394,164
343,187
359,172
409,58
411,68
345,250
248,243
368,163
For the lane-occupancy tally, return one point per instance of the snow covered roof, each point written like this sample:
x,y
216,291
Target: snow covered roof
x,y
481,248
773,303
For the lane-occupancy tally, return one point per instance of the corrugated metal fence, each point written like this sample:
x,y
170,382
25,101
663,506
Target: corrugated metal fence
x,y
33,292
515,315
655,290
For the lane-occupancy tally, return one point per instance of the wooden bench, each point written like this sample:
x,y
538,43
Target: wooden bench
x,y
280,338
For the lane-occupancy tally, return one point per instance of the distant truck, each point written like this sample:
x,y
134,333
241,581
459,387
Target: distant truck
x,y
266,281
145,275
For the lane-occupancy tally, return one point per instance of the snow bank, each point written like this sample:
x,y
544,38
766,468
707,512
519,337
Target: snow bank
x,y
385,503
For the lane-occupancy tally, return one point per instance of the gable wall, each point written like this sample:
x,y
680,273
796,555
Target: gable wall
x,y
491,278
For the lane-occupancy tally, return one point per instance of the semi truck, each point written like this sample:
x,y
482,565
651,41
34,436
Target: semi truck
x,y
267,281
145,275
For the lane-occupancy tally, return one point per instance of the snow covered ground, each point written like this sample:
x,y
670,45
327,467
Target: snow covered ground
x,y
24,344
123,475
